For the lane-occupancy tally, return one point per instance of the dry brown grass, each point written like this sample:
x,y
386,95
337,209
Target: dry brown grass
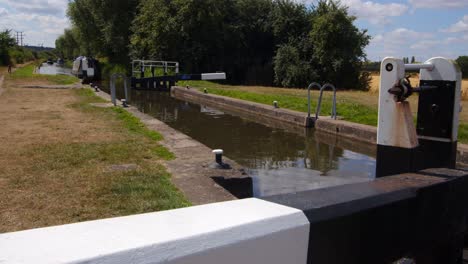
x,y
32,119
55,154
374,87
373,95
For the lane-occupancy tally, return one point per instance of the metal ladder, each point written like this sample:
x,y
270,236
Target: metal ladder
x,y
314,84
319,104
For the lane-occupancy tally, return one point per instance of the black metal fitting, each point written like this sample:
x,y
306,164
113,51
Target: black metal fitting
x,y
219,160
401,90
124,103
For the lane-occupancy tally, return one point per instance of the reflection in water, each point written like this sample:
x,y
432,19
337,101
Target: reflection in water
x,y
277,160
53,69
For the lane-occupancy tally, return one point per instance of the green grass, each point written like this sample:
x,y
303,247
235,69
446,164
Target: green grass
x,y
134,124
144,190
23,72
88,96
27,72
61,79
463,133
350,111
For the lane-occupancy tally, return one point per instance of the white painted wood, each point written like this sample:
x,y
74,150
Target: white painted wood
x,y
242,231
213,76
218,151
395,127
427,66
447,70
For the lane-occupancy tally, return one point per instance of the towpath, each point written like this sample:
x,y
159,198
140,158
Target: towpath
x,y
64,161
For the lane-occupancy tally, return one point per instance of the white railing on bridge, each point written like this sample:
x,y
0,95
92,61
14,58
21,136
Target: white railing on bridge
x,y
139,65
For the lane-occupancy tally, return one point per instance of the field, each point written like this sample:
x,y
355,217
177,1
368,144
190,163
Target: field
x,y
374,88
355,106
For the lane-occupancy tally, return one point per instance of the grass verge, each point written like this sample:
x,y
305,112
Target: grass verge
x,y
103,163
147,188
27,72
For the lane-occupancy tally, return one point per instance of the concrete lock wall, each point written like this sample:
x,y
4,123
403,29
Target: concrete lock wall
x,y
242,231
283,115
363,133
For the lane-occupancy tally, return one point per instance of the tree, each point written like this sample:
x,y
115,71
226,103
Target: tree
x,y
291,69
155,34
104,26
253,41
413,60
338,45
462,62
233,36
68,44
290,21
332,50
6,42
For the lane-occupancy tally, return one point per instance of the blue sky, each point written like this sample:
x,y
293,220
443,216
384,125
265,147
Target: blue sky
x,y
42,21
420,28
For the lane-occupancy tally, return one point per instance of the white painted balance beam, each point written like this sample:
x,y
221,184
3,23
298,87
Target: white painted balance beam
x,y
241,231
213,76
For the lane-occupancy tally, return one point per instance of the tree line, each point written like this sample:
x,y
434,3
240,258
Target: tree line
x,y
265,42
10,53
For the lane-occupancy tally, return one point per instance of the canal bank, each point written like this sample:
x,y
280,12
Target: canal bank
x,y
266,113
356,137
286,117
191,169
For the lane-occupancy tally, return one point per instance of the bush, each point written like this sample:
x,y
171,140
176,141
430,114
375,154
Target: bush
x,y
364,82
107,68
290,69
463,63
19,55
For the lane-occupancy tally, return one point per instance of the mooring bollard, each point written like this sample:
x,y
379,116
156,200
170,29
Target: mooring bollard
x,y
219,160
275,104
218,155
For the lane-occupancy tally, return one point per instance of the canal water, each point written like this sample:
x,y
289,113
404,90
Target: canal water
x,y
53,69
278,160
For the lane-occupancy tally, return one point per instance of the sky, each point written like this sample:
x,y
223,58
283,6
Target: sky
x,y
400,28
